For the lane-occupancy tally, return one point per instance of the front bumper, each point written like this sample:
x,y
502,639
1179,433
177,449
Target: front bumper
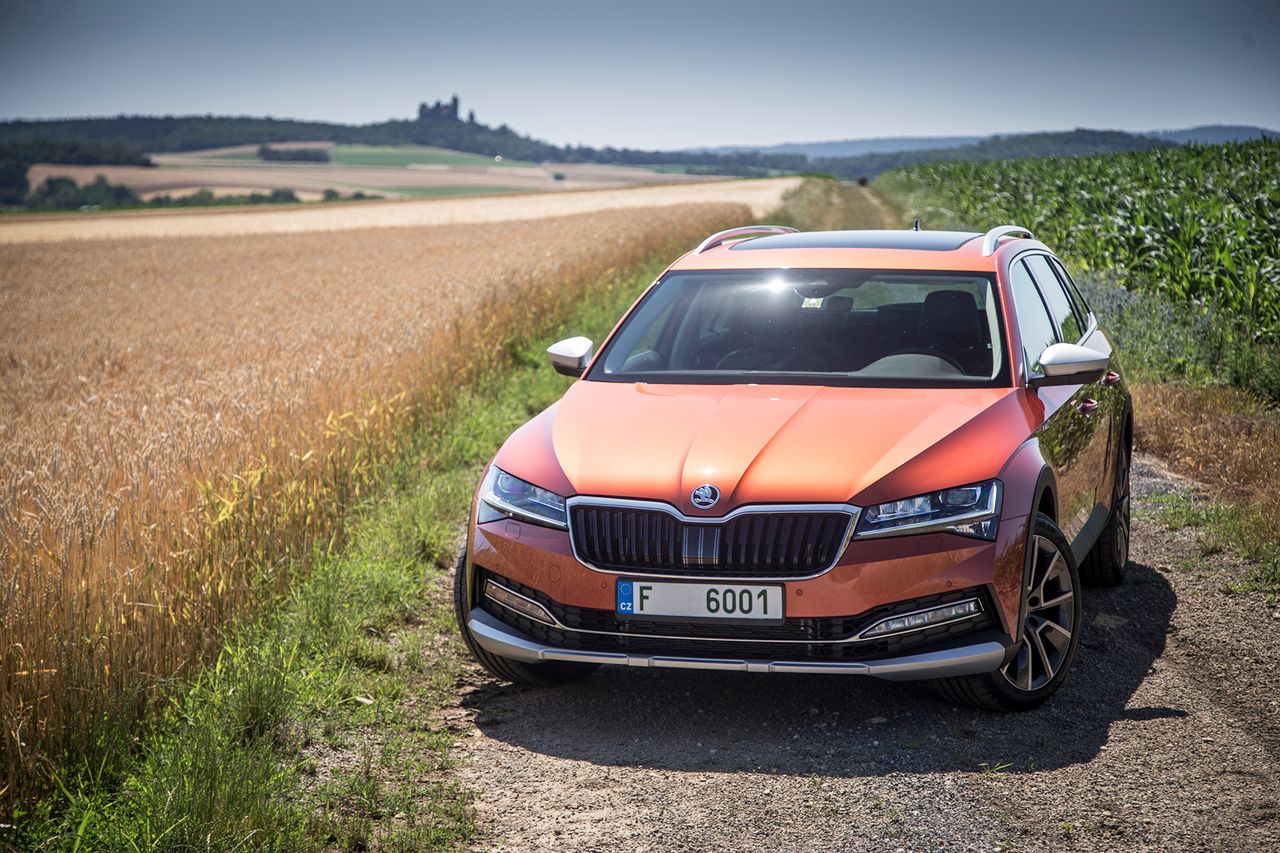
x,y
984,655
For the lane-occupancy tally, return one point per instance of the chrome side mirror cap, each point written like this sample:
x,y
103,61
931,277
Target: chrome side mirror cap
x,y
1070,364
570,356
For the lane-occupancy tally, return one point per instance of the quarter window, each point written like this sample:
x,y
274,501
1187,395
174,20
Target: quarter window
x,y
1035,327
1077,298
1064,317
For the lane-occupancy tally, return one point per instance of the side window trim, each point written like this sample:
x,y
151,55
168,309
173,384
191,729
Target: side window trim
x,y
1040,289
1026,357
1082,310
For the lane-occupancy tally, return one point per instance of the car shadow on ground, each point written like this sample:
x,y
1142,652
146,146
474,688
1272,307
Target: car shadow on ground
x,y
843,725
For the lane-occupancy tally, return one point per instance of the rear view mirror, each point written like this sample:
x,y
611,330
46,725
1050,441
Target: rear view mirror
x,y
1070,364
570,356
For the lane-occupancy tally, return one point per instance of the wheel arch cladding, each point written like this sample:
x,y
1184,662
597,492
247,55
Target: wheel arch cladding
x,y
1029,487
1029,483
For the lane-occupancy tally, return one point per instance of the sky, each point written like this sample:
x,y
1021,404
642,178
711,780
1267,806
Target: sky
x,y
656,74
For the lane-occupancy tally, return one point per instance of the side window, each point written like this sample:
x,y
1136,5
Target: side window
x,y
1077,298
1064,316
1034,324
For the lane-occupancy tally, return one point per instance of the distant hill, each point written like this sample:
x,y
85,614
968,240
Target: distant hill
x,y
443,125
1209,134
1215,134
854,147
1073,143
440,125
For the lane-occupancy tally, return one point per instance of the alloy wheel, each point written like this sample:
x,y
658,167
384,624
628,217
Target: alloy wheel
x,y
1047,628
1122,511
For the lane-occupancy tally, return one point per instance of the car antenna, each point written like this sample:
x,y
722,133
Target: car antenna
x,y
916,227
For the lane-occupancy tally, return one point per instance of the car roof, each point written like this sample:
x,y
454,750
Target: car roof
x,y
928,241
879,249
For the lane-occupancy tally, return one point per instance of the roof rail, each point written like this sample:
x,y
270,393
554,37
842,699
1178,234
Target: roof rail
x,y
720,236
993,236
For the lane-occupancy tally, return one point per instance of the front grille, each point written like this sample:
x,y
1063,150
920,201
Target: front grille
x,y
699,639
755,544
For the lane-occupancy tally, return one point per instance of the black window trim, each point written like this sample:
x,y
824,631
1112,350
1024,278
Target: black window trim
x,y
1087,324
1068,284
1048,312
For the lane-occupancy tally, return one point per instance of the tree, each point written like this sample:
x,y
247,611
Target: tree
x,y
13,180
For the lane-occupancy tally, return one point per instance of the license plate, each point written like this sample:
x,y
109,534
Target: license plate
x,y
651,599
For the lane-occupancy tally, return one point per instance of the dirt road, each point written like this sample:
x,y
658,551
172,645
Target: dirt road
x,y
1166,737
760,195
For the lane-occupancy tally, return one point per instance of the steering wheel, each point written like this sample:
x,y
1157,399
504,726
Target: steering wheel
x,y
757,356
938,354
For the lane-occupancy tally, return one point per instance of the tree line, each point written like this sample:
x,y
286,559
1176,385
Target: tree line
x,y
301,155
18,153
442,126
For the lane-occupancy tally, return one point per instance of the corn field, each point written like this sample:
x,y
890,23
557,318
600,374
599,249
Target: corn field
x,y
1200,223
184,420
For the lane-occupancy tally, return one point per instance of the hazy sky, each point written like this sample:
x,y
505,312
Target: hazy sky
x,y
652,73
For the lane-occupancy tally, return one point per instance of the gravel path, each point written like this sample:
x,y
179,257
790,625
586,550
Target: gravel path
x,y
1166,737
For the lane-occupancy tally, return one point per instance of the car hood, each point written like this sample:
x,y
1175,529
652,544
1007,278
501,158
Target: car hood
x,y
767,443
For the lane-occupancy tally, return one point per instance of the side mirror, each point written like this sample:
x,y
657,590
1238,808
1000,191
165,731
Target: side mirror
x,y
1070,364
570,356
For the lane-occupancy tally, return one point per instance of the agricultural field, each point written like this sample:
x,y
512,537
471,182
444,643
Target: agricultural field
x,y
400,156
1199,224
1178,250
759,195
389,171
205,410
327,393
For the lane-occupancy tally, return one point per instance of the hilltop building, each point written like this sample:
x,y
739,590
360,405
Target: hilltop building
x,y
440,109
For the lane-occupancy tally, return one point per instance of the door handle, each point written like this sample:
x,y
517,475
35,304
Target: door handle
x,y
1087,406
1111,378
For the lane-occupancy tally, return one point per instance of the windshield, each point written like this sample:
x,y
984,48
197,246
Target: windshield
x,y
836,327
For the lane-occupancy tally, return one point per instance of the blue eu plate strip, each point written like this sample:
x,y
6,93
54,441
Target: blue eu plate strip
x,y
626,602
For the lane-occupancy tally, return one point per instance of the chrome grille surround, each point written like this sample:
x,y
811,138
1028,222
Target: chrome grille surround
x,y
708,551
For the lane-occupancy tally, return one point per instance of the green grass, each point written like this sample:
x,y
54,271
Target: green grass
x,y
315,728
824,204
402,156
1223,527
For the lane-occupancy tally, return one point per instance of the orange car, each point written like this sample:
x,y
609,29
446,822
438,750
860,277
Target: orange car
x,y
886,453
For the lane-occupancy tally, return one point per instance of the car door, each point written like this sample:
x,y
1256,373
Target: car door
x,y
1063,433
1090,435
1114,398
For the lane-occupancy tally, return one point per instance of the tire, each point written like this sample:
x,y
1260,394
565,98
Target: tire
x,y
1105,563
547,674
1044,655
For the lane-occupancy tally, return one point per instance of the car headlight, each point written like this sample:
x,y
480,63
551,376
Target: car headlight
x,y
972,510
505,496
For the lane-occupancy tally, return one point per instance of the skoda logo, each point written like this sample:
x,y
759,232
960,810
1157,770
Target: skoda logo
x,y
705,496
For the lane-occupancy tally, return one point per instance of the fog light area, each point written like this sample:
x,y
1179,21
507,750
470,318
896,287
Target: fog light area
x,y
518,603
923,619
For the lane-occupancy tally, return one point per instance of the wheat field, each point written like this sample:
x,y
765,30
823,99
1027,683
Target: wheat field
x,y
184,419
762,196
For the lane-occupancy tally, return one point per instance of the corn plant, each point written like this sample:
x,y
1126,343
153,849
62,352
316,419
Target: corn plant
x,y
1198,224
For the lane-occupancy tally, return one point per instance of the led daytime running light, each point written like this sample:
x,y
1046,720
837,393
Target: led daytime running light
x,y
923,619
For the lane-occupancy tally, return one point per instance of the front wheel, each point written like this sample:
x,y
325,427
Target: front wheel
x,y
1049,636
515,671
